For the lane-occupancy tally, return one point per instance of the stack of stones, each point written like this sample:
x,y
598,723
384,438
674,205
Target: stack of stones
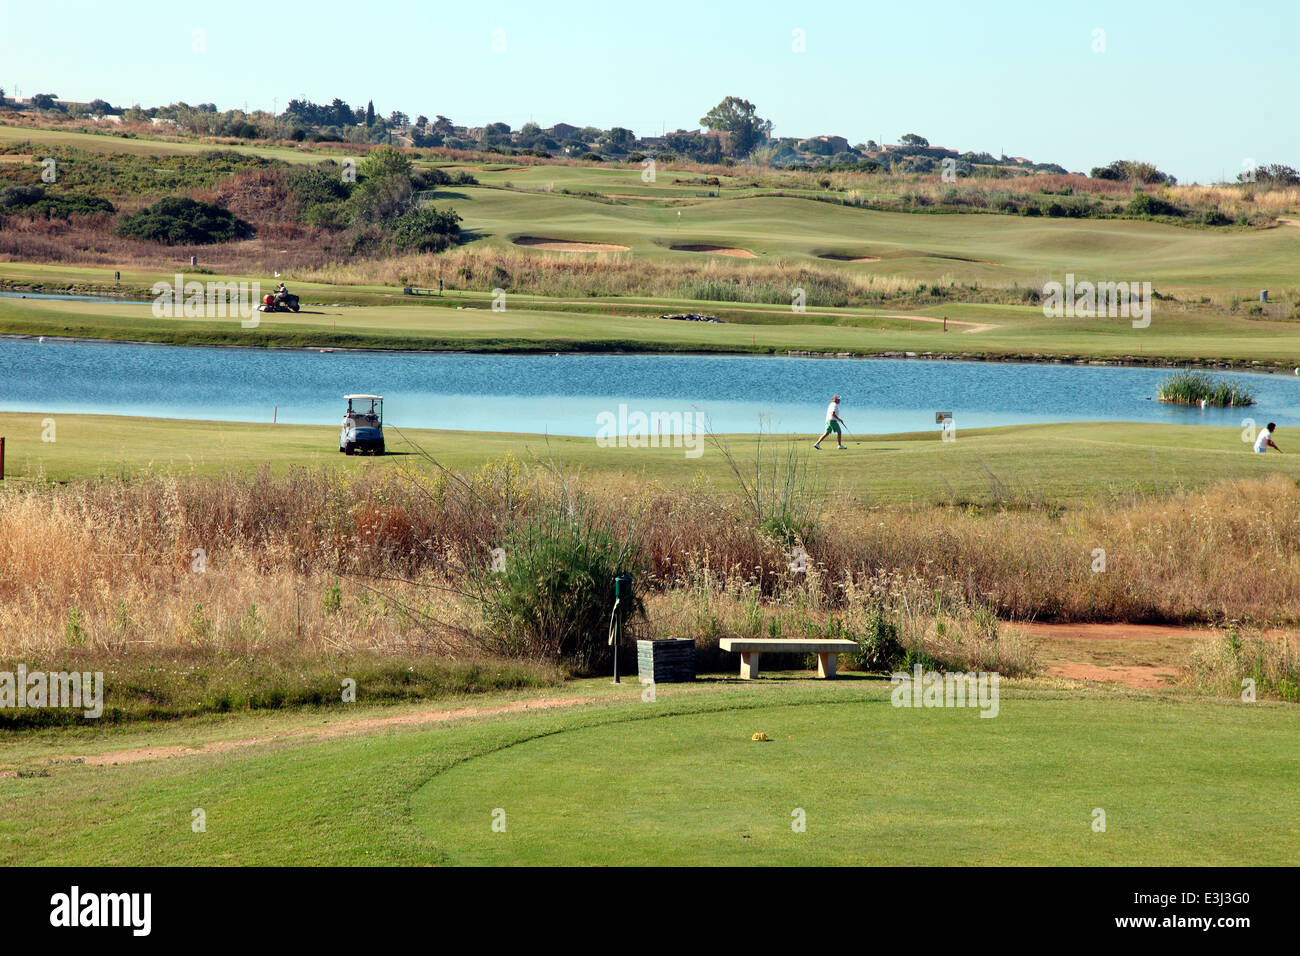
x,y
669,661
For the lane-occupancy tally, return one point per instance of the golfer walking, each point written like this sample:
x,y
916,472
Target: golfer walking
x,y
833,424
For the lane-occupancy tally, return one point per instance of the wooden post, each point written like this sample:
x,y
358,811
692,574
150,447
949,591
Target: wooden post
x,y
2,458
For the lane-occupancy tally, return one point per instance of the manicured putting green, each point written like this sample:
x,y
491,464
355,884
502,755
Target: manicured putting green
x,y
1192,784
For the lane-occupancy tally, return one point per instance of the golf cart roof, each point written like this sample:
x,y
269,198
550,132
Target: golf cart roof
x,y
350,397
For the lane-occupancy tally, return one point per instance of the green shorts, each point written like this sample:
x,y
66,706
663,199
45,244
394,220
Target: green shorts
x,y
833,426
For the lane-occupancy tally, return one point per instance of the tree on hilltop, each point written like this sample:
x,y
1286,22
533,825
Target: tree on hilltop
x,y
739,118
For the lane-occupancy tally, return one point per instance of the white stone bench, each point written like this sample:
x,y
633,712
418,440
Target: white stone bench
x,y
750,650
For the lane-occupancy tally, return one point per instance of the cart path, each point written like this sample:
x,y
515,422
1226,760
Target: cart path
x,y
329,731
972,327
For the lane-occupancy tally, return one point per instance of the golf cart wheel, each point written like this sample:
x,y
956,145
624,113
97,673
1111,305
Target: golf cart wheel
x,y
348,449
294,308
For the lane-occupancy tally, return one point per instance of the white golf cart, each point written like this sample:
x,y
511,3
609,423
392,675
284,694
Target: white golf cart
x,y
363,425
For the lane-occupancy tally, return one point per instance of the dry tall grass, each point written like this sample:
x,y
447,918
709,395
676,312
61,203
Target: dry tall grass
x,y
1248,664
112,565
579,275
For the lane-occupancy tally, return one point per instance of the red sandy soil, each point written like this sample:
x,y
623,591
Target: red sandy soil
x,y
1159,640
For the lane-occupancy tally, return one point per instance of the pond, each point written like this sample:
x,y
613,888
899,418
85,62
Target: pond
x,y
565,394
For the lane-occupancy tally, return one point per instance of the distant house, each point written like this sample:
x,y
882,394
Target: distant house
x,y
162,121
561,131
475,132
723,136
837,144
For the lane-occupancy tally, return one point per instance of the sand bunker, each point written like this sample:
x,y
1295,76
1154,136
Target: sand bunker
x,y
851,258
717,251
565,245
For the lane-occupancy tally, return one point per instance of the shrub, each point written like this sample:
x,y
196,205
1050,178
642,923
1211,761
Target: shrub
x,y
383,162
319,184
34,201
1189,388
879,647
177,220
425,230
554,596
440,177
1144,204
380,199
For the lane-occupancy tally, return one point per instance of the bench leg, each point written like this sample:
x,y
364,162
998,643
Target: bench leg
x,y
749,664
826,664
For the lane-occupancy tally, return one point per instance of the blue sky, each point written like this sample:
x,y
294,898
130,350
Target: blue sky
x,y
1195,87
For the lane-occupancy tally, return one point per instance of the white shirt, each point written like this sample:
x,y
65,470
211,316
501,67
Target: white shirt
x,y
1261,441
831,409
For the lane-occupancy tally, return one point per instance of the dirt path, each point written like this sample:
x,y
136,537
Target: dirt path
x,y
1146,656
972,327
330,731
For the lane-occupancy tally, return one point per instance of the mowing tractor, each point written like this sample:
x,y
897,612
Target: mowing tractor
x,y
282,300
363,425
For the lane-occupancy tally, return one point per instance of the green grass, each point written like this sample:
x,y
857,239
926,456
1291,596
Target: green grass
x,y
989,249
1017,464
149,684
387,319
879,785
1182,781
962,248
